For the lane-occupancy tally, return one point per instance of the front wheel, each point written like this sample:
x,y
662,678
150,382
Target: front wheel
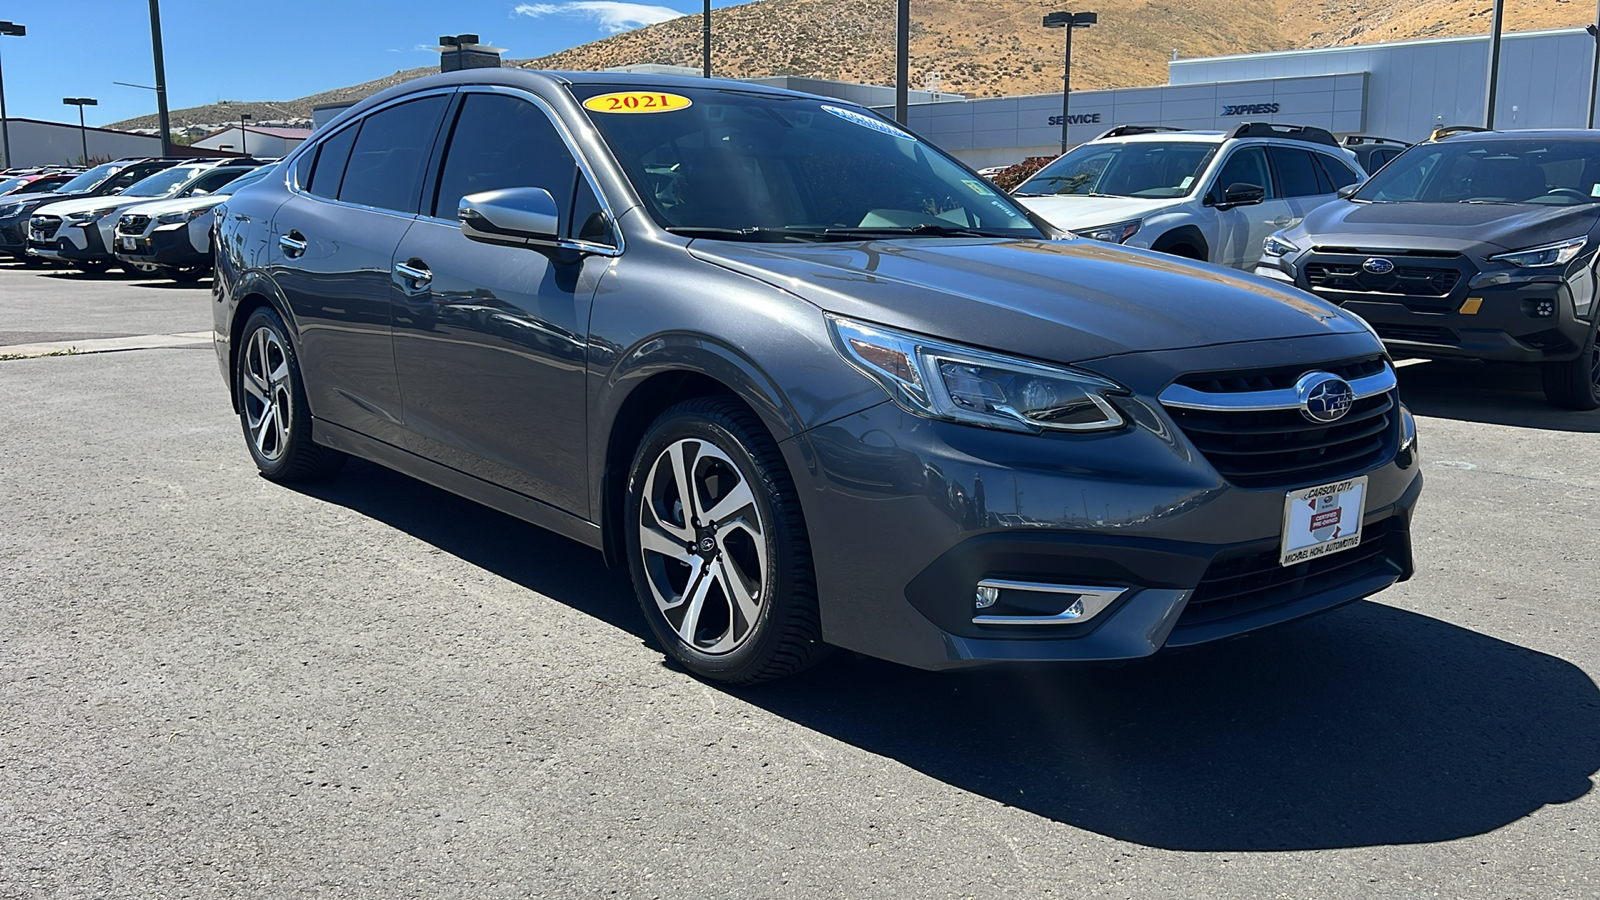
x,y
717,547
1575,384
92,266
272,404
185,274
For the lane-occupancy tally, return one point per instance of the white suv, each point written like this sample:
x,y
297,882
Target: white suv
x,y
1206,195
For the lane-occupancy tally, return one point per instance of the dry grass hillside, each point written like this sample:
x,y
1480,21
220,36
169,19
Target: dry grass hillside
x,y
988,48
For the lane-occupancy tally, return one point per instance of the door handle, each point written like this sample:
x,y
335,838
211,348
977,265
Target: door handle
x,y
1282,221
417,274
293,244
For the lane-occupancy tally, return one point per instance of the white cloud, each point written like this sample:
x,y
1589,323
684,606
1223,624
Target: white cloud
x,y
611,16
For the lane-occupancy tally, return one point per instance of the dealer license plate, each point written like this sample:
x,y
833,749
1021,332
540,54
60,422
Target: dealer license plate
x,y
129,243
1322,520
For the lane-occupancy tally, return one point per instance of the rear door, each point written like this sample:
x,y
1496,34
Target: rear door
x,y
1242,228
333,248
490,341
1301,180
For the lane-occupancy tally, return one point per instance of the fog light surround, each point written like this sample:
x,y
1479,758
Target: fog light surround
x,y
1040,603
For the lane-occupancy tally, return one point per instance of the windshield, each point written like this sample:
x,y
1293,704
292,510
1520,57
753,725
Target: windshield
x,y
162,184
1154,169
7,185
89,180
733,164
1548,172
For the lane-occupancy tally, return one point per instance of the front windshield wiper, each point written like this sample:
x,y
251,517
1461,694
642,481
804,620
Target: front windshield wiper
x,y
926,229
745,234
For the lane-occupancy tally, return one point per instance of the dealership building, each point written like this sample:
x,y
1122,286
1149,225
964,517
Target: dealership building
x,y
1397,90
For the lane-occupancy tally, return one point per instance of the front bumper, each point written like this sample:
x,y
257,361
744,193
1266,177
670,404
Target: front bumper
x,y
71,243
1492,312
906,516
164,246
14,236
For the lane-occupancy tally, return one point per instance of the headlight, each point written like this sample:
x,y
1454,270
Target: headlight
x,y
179,218
11,210
89,216
1556,254
1277,246
1111,234
959,384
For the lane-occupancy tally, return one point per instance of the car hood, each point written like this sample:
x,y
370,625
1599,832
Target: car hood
x,y
34,201
81,204
155,208
1073,211
1065,301
1445,226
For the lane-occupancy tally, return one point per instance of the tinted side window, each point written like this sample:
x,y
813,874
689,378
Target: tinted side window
x,y
1296,170
1247,165
1338,172
390,155
501,142
330,163
589,221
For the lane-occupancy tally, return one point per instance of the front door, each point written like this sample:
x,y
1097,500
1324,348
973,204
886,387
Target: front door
x,y
489,341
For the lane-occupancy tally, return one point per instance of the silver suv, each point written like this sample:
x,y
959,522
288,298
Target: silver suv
x,y
1205,195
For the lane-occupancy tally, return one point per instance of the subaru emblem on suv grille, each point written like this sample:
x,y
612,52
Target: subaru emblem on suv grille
x,y
1324,397
1377,265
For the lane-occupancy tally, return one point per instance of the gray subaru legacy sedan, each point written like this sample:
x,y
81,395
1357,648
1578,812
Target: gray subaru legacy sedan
x,y
813,382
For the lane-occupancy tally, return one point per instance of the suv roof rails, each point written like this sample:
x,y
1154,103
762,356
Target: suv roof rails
x,y
1444,131
1351,140
1308,133
1125,130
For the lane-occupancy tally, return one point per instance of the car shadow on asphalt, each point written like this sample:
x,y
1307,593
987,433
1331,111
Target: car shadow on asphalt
x,y
1367,726
1483,392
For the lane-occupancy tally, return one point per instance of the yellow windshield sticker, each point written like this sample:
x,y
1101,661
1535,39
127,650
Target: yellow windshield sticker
x,y
637,102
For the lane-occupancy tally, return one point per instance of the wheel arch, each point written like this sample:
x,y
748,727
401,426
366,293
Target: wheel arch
x,y
253,292
1184,236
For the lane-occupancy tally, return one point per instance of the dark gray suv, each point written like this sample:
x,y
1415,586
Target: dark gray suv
x,y
810,380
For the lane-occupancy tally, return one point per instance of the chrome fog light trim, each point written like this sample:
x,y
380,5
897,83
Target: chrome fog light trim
x,y
1085,602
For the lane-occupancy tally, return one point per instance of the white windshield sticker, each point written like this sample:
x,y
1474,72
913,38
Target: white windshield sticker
x,y
1187,180
866,121
1594,190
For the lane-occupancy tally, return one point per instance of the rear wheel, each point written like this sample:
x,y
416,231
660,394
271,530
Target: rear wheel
x,y
1575,384
717,546
272,404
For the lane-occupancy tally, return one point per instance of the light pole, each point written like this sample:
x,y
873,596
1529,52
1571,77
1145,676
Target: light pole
x,y
902,60
1494,63
1594,74
1068,21
161,78
7,29
83,131
705,41
244,138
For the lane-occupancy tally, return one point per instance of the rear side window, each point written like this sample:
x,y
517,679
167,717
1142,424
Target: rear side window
x,y
329,166
1337,172
1296,171
390,155
501,142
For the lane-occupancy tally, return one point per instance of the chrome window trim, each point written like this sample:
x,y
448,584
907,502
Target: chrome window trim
x,y
1180,396
565,133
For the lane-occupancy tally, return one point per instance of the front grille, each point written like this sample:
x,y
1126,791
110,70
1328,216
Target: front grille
x,y
132,224
1277,378
1424,334
1240,583
1404,281
45,226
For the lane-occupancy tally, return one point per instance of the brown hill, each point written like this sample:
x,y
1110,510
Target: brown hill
x,y
990,48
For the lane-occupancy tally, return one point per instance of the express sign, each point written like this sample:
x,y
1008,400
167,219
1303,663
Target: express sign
x,y
1250,109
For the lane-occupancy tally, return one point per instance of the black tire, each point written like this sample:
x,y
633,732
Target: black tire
x,y
273,411
92,266
1575,384
184,274
785,635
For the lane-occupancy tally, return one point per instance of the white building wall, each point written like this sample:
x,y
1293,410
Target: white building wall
x,y
35,143
1417,85
261,145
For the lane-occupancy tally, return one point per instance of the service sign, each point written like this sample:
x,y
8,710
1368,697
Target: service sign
x,y
637,102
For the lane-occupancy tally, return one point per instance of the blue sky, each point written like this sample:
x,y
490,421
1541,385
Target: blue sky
x,y
273,50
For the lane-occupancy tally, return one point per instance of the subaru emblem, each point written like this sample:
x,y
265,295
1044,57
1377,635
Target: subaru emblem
x,y
1324,397
1377,265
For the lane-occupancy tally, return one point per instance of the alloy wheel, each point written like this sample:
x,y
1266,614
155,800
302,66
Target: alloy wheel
x,y
268,395
704,546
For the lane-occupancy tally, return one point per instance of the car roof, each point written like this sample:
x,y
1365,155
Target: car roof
x,y
1193,137
1568,134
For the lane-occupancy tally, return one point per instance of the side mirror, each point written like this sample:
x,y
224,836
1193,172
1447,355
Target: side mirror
x,y
1242,195
1349,189
515,217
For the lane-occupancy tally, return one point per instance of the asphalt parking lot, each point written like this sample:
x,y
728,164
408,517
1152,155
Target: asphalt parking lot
x,y
215,686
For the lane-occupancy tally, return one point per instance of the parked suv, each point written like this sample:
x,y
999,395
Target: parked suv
x,y
812,381
1200,194
80,231
174,236
1373,152
1477,245
103,180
